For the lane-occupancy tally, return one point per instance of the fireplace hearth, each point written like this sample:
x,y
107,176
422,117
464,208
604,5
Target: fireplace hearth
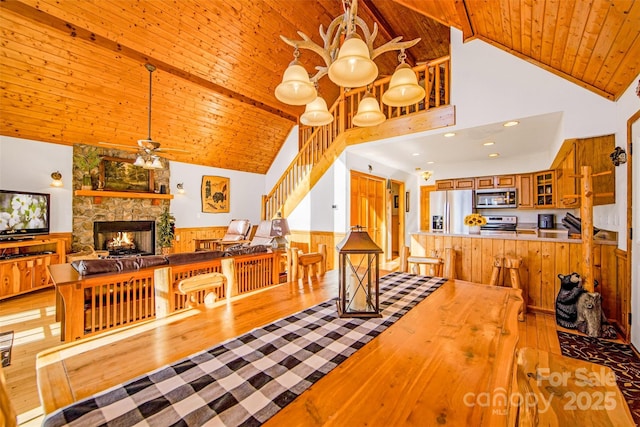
x,y
125,238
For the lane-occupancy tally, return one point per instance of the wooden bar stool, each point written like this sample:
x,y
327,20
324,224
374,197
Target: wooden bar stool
x,y
435,265
512,265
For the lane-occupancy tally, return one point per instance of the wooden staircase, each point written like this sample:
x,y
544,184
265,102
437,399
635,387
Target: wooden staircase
x,y
322,145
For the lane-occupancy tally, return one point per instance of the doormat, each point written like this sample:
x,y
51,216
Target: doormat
x,y
6,342
619,357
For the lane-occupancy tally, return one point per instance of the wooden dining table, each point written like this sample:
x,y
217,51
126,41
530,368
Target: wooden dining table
x,y
430,367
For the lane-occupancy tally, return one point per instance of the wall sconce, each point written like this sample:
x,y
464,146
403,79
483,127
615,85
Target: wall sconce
x,y
618,156
180,187
56,179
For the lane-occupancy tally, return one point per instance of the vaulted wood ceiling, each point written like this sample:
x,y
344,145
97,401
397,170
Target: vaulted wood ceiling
x,y
73,71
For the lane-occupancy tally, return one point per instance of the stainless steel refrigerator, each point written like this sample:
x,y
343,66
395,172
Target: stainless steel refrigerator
x,y
448,209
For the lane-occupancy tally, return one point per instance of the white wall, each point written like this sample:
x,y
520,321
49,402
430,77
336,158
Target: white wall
x,y
245,196
287,153
27,165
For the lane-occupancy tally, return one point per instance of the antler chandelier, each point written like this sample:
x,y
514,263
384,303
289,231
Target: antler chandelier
x,y
348,65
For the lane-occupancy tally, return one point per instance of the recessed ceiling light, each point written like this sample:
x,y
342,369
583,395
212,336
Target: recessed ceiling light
x,y
486,144
415,154
430,162
511,123
494,154
449,134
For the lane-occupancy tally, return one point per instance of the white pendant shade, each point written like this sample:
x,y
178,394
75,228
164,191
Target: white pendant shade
x,y
316,113
403,88
139,161
369,113
353,67
295,89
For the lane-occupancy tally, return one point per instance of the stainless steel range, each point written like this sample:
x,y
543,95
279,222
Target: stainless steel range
x,y
499,225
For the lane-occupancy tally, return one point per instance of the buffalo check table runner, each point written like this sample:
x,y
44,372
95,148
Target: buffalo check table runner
x,y
248,379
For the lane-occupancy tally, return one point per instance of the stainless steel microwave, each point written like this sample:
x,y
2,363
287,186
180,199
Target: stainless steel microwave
x,y
496,198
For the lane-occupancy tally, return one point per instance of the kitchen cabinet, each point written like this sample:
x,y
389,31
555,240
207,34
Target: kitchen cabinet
x,y
566,181
23,266
544,189
568,163
485,182
456,184
496,181
524,190
505,181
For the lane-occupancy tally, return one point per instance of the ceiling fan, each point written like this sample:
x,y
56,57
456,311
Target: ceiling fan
x,y
148,149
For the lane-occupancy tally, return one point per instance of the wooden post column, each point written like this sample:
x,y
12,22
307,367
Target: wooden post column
x,y
586,214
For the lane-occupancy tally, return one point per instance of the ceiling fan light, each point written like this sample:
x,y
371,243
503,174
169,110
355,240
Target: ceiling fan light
x,y
316,113
295,88
139,161
403,88
369,113
156,164
353,67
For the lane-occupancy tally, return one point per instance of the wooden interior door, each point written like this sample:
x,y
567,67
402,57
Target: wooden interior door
x,y
368,205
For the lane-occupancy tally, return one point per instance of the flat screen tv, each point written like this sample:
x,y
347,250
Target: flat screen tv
x,y
23,214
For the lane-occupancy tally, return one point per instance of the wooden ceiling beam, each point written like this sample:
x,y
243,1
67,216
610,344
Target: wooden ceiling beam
x,y
384,26
74,31
465,20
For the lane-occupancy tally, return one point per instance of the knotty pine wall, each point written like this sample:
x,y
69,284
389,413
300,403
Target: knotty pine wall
x,y
542,262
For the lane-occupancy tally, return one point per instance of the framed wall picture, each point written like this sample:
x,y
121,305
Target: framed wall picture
x,y
121,175
396,201
215,194
406,201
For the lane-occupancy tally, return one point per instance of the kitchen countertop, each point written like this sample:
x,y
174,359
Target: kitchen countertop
x,y
528,234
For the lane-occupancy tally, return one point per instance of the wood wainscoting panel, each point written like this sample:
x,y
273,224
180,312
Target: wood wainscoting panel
x,y
185,238
542,260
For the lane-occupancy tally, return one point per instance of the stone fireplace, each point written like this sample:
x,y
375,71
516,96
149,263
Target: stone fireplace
x,y
123,238
116,209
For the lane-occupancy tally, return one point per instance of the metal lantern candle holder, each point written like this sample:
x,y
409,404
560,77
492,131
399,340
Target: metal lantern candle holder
x,y
359,275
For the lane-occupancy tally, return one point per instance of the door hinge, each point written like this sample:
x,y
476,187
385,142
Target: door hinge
x,y
629,318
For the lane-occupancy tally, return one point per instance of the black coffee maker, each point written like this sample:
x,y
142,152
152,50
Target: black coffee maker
x,y
546,221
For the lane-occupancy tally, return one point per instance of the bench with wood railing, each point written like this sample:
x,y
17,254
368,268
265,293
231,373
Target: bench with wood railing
x,y
316,141
94,304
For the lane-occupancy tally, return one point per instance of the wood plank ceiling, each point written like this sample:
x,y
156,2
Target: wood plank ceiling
x,y
73,71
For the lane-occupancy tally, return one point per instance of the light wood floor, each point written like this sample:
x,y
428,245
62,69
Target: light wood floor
x,y
32,318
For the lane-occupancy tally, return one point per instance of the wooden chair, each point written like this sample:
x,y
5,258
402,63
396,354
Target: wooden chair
x,y
212,284
301,264
237,233
8,415
512,265
556,383
433,266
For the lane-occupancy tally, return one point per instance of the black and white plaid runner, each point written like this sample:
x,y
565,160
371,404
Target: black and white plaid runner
x,y
248,379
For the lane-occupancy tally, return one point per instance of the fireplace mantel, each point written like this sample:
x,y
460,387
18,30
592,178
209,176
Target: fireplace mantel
x,y
99,194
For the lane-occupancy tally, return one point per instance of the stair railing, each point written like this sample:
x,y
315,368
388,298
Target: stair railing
x,y
434,76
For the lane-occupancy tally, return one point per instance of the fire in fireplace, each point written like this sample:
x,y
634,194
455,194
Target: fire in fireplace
x,y
124,238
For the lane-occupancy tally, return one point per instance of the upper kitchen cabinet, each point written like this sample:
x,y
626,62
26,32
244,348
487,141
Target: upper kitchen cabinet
x,y
524,187
544,189
579,152
497,181
455,184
